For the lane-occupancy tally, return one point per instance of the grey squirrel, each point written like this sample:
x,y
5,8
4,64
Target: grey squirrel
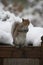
x,y
19,33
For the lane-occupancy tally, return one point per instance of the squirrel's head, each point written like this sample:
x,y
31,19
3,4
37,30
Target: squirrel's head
x,y
23,26
25,22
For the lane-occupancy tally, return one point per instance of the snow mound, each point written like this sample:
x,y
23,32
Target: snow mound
x,y
34,35
7,19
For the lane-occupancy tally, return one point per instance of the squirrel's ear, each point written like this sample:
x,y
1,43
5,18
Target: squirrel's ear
x,y
22,19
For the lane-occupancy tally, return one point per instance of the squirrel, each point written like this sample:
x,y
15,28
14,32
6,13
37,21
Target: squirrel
x,y
19,33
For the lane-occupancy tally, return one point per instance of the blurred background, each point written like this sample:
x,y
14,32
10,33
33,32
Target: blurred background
x,y
30,9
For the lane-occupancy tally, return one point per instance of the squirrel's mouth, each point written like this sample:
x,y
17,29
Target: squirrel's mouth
x,y
23,30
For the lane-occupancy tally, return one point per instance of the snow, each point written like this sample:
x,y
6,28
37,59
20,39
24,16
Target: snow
x,y
34,36
7,19
6,25
6,38
34,12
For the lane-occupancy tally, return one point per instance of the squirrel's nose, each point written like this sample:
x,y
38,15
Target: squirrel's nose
x,y
26,29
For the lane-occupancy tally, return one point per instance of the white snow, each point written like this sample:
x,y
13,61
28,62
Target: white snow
x,y
7,24
34,35
7,19
6,38
34,12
